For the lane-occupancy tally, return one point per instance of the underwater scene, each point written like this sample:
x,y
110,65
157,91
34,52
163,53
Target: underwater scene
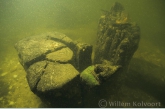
x,y
82,53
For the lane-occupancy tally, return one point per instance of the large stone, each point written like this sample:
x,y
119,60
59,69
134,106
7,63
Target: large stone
x,y
52,62
34,74
89,77
35,48
57,76
63,55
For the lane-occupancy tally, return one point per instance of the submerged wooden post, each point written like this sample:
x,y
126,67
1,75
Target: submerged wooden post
x,y
118,39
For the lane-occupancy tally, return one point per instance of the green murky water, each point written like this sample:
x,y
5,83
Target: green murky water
x,y
78,19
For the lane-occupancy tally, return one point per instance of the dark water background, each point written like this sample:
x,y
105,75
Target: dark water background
x,y
79,19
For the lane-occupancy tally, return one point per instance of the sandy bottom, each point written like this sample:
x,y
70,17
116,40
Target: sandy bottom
x,y
145,80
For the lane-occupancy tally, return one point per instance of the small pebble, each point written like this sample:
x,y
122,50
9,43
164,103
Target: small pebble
x,y
10,87
11,103
3,74
15,76
1,98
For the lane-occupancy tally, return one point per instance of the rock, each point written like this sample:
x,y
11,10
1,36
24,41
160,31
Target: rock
x,y
53,62
89,77
96,74
34,74
11,102
1,98
56,76
5,73
35,48
63,55
15,76
105,70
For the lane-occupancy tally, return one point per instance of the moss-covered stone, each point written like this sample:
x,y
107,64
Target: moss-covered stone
x,y
88,77
63,55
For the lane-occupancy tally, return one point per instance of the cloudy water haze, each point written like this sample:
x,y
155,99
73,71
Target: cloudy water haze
x,y
78,19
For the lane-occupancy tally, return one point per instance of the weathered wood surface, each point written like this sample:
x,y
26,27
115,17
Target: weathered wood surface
x,y
118,37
